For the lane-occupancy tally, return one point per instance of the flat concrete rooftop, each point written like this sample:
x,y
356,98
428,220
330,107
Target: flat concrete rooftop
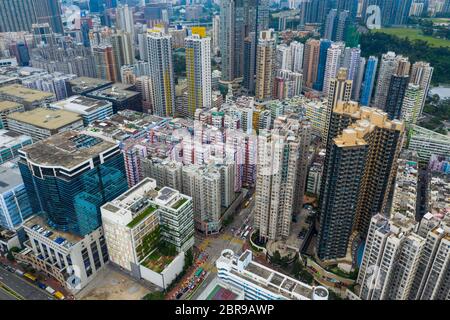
x,y
64,149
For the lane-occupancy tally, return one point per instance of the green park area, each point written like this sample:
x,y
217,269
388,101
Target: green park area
x,y
415,34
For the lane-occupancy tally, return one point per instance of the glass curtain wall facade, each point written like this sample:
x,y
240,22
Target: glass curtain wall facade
x,y
73,205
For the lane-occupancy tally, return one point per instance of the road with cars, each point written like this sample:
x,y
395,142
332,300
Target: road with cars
x,y
22,289
209,248
230,238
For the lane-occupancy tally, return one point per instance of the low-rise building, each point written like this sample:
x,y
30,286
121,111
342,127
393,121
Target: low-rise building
x,y
72,260
89,109
426,143
85,85
14,202
29,98
10,143
7,107
121,96
8,240
405,189
262,283
42,123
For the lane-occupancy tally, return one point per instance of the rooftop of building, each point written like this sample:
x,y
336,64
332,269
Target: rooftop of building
x,y
439,195
39,224
80,104
83,84
9,105
10,138
67,149
421,132
267,278
117,92
10,176
24,93
6,235
46,118
125,124
405,190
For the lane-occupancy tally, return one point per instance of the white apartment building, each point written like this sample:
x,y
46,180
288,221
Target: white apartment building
x,y
159,51
403,260
391,258
276,178
421,73
259,282
412,103
283,57
333,62
297,49
198,71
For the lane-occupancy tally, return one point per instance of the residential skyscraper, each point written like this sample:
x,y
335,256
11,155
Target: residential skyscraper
x,y
334,53
397,87
276,180
122,45
215,34
311,62
231,35
404,260
265,67
329,30
69,176
360,163
198,70
421,73
16,15
340,90
391,257
249,63
369,80
49,11
124,19
324,45
105,62
283,57
359,76
313,11
159,50
388,66
342,24
412,102
297,49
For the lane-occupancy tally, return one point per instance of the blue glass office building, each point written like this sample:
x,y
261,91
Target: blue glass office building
x,y
14,204
323,50
369,80
69,176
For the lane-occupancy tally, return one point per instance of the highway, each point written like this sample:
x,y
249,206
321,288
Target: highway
x,y
21,287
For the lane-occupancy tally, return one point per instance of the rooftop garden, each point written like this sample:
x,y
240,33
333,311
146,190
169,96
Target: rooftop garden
x,y
161,257
141,217
179,203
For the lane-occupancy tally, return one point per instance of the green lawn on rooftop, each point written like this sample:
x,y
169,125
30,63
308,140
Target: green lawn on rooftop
x,y
179,203
141,217
414,34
